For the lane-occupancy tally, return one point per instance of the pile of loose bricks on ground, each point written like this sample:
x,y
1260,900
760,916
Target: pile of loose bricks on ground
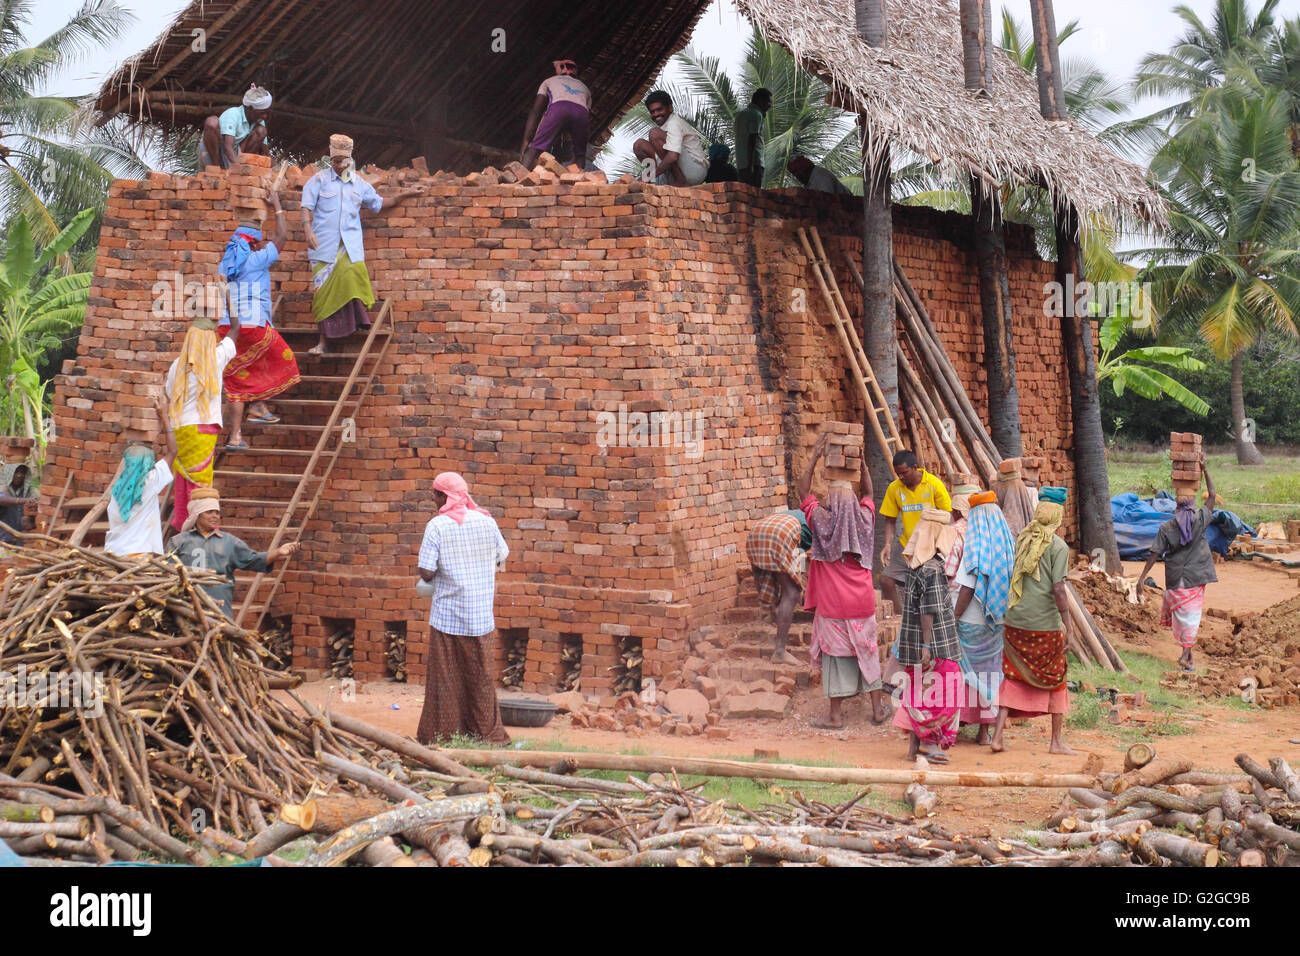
x,y
523,310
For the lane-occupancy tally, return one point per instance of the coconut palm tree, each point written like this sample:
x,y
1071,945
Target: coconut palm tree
x,y
800,121
53,160
1203,57
1230,263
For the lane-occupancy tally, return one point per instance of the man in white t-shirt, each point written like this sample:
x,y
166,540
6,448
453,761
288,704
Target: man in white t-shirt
x,y
562,105
134,518
674,149
194,406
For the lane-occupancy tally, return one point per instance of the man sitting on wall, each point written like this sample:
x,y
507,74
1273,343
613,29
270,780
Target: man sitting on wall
x,y
562,105
240,129
814,177
674,147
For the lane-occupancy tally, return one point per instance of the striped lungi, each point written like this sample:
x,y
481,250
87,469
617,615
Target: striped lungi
x,y
1181,610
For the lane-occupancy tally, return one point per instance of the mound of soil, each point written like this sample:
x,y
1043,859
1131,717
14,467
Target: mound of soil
x,y
1260,657
1135,623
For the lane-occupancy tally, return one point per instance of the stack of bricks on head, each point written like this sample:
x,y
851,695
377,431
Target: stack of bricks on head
x,y
1185,453
843,459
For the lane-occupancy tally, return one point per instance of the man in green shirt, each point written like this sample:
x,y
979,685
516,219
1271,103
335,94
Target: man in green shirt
x,y
201,544
749,137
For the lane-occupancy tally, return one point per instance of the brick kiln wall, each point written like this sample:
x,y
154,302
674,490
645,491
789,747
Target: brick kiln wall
x,y
521,314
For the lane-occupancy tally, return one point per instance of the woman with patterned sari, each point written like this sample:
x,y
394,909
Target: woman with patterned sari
x,y
1033,639
264,365
194,406
933,690
983,582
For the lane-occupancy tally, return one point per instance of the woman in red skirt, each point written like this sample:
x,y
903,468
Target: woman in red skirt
x,y
263,365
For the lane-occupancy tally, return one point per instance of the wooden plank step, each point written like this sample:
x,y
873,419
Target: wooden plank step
x,y
82,502
315,330
263,475
302,453
69,527
321,378
285,426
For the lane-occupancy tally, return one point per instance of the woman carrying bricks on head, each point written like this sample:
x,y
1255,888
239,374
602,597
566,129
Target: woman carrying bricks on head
x,y
777,548
264,365
1034,636
332,201
928,645
134,518
194,407
1189,567
840,591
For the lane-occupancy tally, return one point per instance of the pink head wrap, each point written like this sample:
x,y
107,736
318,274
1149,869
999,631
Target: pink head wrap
x,y
458,500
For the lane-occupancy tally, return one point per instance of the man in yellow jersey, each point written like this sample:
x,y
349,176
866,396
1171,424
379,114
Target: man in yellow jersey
x,y
908,496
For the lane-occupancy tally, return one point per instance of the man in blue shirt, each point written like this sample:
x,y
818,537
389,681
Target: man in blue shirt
x,y
332,201
240,129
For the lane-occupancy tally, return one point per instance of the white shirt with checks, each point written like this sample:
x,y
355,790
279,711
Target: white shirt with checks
x,y
464,559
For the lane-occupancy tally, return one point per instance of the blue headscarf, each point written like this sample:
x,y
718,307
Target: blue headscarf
x,y
238,249
990,555
129,488
1054,495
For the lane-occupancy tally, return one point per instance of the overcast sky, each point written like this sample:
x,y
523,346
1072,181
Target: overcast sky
x,y
1115,33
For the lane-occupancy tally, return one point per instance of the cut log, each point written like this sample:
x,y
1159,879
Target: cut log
x,y
25,813
921,800
1110,853
1260,773
1184,851
1138,756
1251,858
272,838
1262,825
371,778
332,814
1151,774
712,767
1287,778
557,850
350,840
386,853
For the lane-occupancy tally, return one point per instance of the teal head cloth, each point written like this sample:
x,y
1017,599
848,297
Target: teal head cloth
x,y
129,488
1053,494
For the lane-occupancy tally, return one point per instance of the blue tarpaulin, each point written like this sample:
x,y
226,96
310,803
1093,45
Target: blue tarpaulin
x,y
1138,520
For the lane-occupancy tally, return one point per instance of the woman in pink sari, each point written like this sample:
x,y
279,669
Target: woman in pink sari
x,y
841,592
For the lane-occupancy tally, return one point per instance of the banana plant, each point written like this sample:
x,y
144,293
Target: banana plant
x,y
1136,369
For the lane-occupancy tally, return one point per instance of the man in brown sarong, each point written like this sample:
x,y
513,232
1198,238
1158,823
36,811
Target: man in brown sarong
x,y
460,555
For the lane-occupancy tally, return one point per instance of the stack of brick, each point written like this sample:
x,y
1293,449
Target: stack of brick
x,y
1185,454
843,459
623,372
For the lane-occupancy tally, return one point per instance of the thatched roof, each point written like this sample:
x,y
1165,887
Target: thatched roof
x,y
404,77
913,93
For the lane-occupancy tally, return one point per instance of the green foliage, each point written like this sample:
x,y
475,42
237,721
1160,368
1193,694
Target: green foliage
x,y
1132,370
1271,384
55,160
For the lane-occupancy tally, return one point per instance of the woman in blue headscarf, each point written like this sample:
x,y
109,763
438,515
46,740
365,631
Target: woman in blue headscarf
x,y
983,581
134,518
263,366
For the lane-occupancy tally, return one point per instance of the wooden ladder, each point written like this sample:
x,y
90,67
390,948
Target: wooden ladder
x,y
873,397
320,464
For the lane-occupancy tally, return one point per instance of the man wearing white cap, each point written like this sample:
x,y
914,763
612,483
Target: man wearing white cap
x,y
240,129
201,544
332,201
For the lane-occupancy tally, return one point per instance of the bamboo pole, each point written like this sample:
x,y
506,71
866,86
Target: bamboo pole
x,y
711,767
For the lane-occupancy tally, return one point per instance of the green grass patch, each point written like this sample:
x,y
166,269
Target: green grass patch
x,y
1267,492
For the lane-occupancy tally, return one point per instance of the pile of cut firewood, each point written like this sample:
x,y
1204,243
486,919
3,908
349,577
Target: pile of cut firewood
x,y
395,652
341,646
627,672
512,675
570,663
1162,813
